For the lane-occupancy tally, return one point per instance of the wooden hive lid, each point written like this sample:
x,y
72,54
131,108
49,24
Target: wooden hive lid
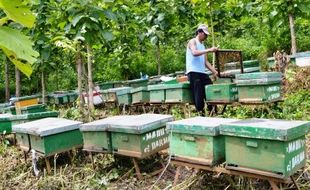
x,y
283,130
47,126
102,124
140,123
198,125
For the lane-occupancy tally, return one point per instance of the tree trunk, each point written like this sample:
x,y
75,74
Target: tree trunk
x,y
293,34
17,82
43,87
80,76
212,32
7,79
90,78
158,58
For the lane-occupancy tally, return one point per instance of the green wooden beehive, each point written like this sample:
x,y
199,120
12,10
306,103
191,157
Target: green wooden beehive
x,y
140,95
10,110
140,136
5,123
72,96
137,83
49,136
157,93
58,98
197,140
259,86
33,109
110,95
275,146
221,93
8,120
96,136
124,96
105,85
178,93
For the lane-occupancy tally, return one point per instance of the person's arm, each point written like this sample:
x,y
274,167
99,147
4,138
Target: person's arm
x,y
195,51
211,68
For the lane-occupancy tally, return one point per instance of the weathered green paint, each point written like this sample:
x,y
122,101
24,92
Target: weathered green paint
x,y
139,135
137,82
176,93
202,149
52,144
140,95
282,130
125,99
5,127
105,85
111,95
259,75
157,93
22,98
97,141
10,109
58,99
223,81
49,135
197,140
259,93
279,157
72,96
33,109
7,121
250,63
140,145
221,93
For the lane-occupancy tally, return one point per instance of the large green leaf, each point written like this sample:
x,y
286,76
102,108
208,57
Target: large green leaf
x,y
23,67
18,48
18,12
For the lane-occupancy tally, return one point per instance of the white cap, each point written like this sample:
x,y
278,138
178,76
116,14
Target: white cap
x,y
204,28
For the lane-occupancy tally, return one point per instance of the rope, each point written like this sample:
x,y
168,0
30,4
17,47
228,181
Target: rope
x,y
164,170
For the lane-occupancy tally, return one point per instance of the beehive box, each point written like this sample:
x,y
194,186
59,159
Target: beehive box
x,y
140,136
140,95
221,93
25,101
110,95
157,93
124,97
197,140
5,123
118,84
10,110
8,120
49,136
33,109
105,85
259,86
3,106
250,63
137,83
72,96
58,98
96,136
276,146
178,93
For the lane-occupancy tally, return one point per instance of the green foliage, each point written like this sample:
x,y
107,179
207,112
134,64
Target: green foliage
x,y
297,105
17,46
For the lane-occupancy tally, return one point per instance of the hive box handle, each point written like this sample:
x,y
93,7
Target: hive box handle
x,y
251,144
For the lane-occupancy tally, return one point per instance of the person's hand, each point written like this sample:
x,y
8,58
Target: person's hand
x,y
213,49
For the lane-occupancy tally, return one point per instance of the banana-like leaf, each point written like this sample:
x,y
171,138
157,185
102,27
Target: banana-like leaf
x,y
23,67
18,12
18,48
